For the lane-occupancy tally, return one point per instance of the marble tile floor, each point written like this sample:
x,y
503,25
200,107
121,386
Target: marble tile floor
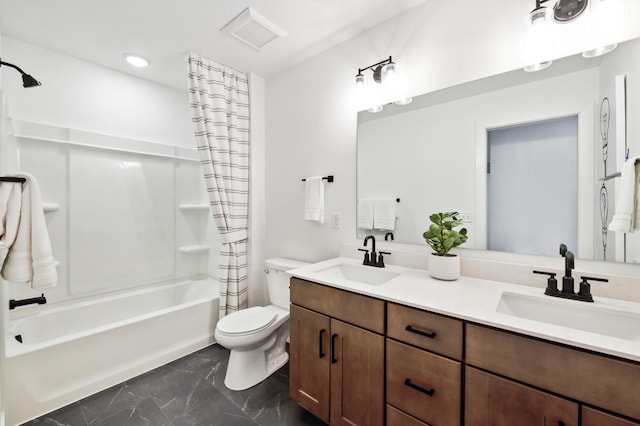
x,y
187,392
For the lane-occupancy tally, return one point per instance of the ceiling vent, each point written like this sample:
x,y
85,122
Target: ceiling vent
x,y
253,29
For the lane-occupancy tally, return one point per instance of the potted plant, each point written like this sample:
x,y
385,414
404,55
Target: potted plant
x,y
442,237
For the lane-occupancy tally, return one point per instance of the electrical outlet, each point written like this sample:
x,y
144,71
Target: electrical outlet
x,y
335,220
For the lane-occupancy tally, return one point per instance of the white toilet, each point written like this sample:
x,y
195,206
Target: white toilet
x,y
257,336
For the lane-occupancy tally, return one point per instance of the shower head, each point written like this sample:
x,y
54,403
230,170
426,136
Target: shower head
x,y
27,79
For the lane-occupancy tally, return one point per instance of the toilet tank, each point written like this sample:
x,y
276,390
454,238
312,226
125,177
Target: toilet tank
x,y
278,279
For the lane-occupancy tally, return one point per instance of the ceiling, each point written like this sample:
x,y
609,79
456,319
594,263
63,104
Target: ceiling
x,y
102,31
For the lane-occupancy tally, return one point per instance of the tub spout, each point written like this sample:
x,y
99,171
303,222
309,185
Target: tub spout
x,y
39,300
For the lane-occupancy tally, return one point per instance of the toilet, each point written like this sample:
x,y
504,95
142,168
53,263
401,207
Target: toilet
x,y
257,336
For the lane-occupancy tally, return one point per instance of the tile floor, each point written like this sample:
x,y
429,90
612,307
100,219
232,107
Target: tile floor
x,y
187,392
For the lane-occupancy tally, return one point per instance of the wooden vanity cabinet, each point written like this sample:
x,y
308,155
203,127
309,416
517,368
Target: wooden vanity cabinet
x,y
588,378
491,400
420,381
337,354
593,417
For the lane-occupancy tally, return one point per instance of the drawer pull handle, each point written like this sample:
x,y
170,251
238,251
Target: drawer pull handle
x,y
320,353
333,348
430,392
420,332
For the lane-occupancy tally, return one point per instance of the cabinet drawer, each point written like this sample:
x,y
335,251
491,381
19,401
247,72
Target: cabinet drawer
x,y
591,417
426,330
425,385
594,379
491,400
363,311
396,417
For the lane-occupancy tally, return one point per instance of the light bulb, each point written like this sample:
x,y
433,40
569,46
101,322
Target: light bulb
x,y
537,67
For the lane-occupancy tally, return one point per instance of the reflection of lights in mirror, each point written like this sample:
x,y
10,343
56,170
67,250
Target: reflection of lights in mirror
x,y
537,67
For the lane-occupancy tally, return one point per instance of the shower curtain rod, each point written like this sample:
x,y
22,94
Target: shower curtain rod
x,y
12,179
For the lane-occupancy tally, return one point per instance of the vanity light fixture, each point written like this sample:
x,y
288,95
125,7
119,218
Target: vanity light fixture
x,y
380,70
563,11
136,60
27,79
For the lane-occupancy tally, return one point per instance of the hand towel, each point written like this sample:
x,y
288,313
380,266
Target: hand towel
x,y
30,256
625,218
314,199
384,214
10,203
365,213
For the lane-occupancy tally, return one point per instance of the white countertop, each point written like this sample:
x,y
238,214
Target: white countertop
x,y
476,300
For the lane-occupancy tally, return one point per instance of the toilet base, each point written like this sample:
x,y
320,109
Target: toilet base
x,y
249,367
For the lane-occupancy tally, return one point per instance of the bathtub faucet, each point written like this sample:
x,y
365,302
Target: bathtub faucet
x,y
39,300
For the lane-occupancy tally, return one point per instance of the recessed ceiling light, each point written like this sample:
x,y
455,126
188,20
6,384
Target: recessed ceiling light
x,y
136,60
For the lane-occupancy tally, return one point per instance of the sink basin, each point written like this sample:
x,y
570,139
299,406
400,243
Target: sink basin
x,y
359,273
571,314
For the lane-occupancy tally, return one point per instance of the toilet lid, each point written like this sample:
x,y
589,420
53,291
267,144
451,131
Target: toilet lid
x,y
246,321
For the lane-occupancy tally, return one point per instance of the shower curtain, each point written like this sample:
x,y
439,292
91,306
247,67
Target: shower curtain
x,y
219,101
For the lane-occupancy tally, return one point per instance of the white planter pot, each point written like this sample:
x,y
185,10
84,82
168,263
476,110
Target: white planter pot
x,y
444,267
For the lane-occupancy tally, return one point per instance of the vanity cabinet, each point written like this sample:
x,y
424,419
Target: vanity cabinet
x,y
597,380
421,382
491,400
593,417
337,354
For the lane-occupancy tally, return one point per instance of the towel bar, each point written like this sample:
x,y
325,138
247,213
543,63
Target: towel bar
x,y
327,178
12,179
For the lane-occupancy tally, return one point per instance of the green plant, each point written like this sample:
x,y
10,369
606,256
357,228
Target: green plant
x,y
441,236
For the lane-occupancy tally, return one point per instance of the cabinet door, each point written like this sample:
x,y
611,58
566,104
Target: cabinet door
x,y
357,376
591,417
491,400
309,362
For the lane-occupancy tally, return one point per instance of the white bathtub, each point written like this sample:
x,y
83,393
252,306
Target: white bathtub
x,y
71,351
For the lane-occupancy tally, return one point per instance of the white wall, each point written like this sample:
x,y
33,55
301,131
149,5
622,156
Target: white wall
x,y
80,95
311,108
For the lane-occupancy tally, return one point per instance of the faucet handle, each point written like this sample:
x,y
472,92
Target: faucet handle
x,y
381,259
585,287
366,260
552,283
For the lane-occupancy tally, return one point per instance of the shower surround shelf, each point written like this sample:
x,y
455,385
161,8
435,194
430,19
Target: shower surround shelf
x,y
193,249
194,207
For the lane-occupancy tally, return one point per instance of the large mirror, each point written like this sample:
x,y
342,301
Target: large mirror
x,y
443,152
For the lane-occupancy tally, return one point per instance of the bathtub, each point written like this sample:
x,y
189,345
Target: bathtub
x,y
71,350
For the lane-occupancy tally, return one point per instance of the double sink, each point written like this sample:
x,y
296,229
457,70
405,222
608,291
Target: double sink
x,y
599,318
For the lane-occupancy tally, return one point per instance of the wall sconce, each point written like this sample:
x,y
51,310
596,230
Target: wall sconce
x,y
27,80
380,71
563,11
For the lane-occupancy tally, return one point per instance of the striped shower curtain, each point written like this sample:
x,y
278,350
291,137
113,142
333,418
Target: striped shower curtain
x,y
219,100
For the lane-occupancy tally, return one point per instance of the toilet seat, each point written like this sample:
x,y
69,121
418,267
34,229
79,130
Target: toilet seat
x,y
247,321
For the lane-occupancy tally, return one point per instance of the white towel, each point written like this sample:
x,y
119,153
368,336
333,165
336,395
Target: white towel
x,y
29,257
314,199
626,218
384,214
365,213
